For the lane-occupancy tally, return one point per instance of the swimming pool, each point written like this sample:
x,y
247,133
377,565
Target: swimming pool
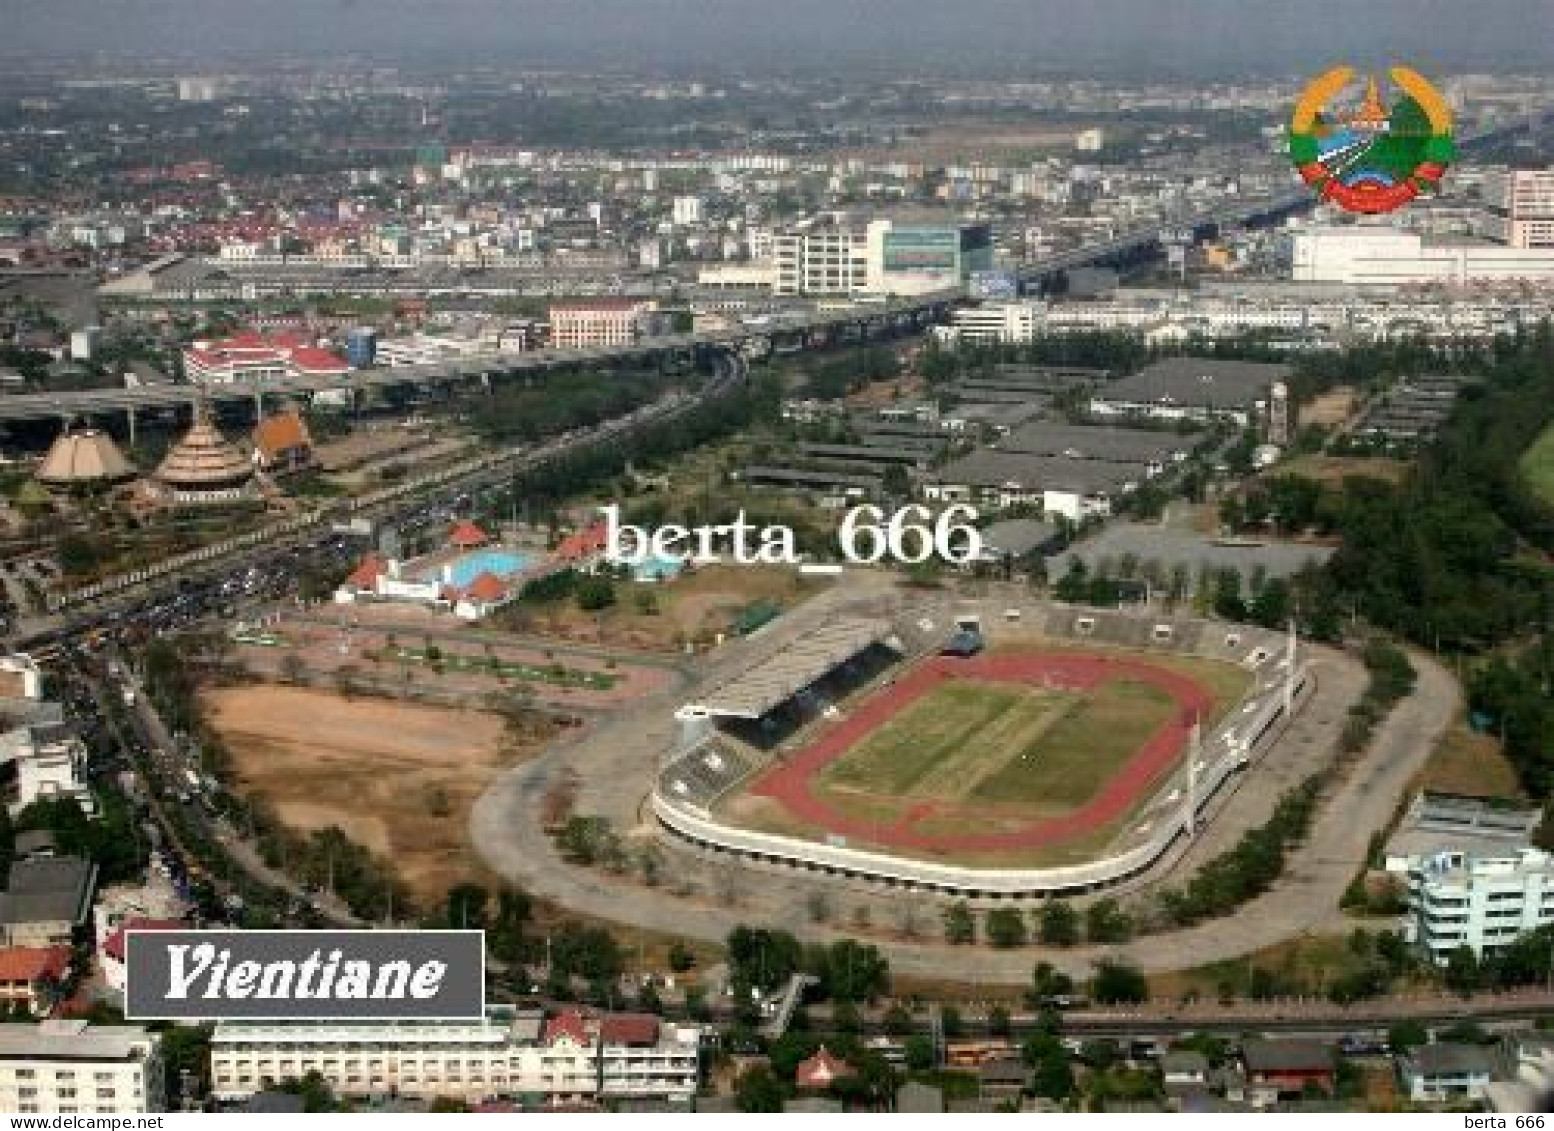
x,y
501,563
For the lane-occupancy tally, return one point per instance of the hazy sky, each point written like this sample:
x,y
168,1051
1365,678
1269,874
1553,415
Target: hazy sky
x,y
907,37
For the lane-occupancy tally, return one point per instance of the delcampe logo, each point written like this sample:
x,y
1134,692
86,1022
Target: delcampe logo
x,y
1377,158
304,975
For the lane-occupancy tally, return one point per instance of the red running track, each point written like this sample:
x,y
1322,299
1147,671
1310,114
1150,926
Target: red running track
x,y
792,782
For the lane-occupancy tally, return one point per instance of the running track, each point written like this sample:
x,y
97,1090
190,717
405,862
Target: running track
x,y
791,782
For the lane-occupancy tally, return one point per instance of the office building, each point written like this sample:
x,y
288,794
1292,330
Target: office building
x,y
66,1067
602,322
1478,900
998,322
909,257
1377,254
1521,207
883,256
829,259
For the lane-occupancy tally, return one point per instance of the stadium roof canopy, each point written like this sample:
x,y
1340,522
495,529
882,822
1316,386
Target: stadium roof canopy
x,y
800,663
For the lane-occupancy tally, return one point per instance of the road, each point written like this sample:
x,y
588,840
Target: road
x,y
1305,900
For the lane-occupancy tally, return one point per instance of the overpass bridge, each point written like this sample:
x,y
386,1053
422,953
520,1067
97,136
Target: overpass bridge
x,y
856,323
1203,223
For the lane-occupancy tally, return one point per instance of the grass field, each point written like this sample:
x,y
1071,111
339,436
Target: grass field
x,y
1538,465
1082,750
997,744
930,748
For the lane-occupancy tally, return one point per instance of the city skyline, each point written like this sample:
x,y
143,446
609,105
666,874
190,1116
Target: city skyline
x,y
1004,37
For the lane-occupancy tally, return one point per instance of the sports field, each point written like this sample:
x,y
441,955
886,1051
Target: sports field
x,y
999,743
1013,755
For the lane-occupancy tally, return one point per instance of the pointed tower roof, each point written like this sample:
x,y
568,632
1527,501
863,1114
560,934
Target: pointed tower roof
x,y
204,458
84,456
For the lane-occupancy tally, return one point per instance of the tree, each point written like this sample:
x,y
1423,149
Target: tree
x,y
1049,983
920,1055
1006,927
1106,922
1117,983
681,957
851,971
1058,924
1405,1035
761,959
898,1020
759,1090
960,928
1462,971
595,592
998,1022
1052,1075
314,1090
293,670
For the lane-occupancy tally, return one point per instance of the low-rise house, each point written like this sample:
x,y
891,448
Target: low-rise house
x,y
820,1071
45,899
1003,1076
1281,1068
282,443
915,1098
1446,1071
1185,1066
30,977
48,761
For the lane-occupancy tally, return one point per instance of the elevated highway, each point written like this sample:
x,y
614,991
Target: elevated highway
x,y
858,322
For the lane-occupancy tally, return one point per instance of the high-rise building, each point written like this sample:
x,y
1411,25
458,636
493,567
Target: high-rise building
x,y
1521,206
828,259
882,256
70,1067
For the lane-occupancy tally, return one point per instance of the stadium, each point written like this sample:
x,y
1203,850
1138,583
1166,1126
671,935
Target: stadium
x,y
984,752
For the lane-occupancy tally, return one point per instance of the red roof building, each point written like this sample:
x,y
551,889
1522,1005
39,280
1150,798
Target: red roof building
x,y
364,578
638,1029
485,589
466,536
29,973
251,356
583,545
568,1025
821,1070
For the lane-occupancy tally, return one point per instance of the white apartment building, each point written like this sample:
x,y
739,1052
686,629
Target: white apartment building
x,y
687,210
999,322
68,1067
601,322
50,764
829,260
1521,206
1481,901
567,1058
1380,254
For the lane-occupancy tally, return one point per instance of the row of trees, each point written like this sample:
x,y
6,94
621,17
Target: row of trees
x,y
1055,923
1247,870
762,960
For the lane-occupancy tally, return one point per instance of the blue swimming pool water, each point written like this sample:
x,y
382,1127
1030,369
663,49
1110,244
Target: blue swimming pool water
x,y
658,569
502,563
